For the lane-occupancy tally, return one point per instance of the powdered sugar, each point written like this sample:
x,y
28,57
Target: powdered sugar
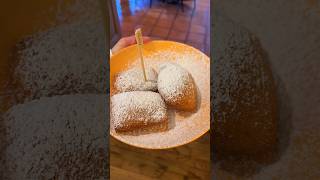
x,y
132,80
173,81
55,136
184,127
175,84
138,108
59,137
69,53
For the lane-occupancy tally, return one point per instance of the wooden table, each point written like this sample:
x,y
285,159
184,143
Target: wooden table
x,y
191,161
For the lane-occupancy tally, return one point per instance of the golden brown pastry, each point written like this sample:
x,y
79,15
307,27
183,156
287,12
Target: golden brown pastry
x,y
137,110
133,80
244,119
177,87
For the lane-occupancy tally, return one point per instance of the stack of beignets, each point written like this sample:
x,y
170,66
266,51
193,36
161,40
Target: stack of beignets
x,y
138,107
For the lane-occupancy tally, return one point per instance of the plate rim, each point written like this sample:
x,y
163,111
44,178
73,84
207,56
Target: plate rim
x,y
166,147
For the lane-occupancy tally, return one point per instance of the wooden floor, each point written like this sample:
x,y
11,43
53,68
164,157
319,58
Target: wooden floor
x,y
191,161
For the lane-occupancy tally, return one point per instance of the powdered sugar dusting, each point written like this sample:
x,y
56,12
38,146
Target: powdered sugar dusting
x,y
175,84
55,137
184,126
133,80
138,107
68,53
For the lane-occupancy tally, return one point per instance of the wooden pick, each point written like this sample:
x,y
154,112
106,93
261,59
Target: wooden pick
x,y
138,35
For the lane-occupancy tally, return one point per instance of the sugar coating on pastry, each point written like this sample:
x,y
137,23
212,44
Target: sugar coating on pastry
x,y
137,109
177,87
133,80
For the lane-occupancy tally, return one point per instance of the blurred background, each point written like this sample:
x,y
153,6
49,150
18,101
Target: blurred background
x,y
186,21
53,62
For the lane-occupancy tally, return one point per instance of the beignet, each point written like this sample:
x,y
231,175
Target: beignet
x,y
177,87
133,80
137,110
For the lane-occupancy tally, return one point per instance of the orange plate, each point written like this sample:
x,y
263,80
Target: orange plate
x,y
185,127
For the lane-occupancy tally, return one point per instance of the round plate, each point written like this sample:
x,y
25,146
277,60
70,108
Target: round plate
x,y
183,127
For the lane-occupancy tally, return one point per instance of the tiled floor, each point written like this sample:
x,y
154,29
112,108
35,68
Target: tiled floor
x,y
168,21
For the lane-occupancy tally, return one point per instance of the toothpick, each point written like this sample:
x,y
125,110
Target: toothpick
x,y
139,40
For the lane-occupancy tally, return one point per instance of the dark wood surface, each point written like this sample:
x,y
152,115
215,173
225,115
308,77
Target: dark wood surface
x,y
191,161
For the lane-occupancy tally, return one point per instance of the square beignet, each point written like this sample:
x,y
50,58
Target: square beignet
x,y
133,80
137,110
